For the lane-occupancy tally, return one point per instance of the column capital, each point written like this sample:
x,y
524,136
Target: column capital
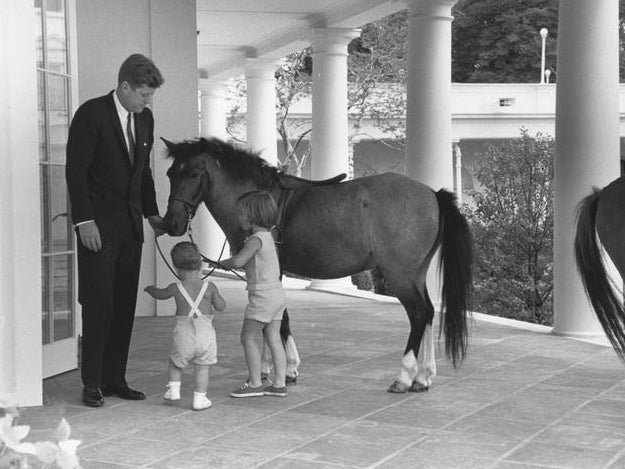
x,y
263,68
440,9
212,86
332,40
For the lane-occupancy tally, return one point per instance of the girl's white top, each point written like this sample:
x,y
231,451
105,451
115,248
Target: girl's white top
x,y
262,271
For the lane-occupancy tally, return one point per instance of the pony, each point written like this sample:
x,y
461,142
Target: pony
x,y
330,229
602,214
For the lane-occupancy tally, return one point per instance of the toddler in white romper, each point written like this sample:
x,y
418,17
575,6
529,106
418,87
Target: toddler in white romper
x,y
193,337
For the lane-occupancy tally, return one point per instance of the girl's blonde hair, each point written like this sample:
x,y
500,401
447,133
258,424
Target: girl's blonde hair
x,y
260,208
186,256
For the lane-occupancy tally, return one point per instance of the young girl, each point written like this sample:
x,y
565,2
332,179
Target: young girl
x,y
257,213
193,336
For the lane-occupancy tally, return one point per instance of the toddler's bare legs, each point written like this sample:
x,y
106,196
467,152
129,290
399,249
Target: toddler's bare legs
x,y
272,335
252,341
200,401
173,387
175,373
201,378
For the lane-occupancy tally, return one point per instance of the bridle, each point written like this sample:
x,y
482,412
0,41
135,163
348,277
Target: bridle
x,y
191,207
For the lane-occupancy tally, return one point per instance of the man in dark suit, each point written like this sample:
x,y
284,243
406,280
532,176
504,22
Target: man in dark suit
x,y
111,188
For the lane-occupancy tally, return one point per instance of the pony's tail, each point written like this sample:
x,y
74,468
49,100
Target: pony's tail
x,y
607,306
456,261
285,327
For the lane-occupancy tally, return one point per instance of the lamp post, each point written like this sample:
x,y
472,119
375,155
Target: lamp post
x,y
547,75
543,35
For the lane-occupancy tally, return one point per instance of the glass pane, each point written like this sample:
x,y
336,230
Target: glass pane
x,y
45,301
39,34
60,226
44,178
41,107
63,297
59,117
56,38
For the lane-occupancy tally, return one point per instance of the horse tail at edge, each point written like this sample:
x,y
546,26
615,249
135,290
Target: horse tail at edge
x,y
456,262
595,279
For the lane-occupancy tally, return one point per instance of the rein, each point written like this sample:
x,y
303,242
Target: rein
x,y
190,214
191,208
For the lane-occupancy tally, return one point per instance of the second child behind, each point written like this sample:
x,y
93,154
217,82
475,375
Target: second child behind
x,y
257,213
193,338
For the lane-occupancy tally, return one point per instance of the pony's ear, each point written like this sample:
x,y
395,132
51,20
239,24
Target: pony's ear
x,y
168,144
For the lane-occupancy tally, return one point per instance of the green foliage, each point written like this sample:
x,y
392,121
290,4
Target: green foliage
x,y
512,221
293,82
373,281
498,41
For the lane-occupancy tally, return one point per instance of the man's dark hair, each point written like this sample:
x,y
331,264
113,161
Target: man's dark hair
x,y
139,70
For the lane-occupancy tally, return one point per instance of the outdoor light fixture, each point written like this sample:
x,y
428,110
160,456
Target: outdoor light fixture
x,y
543,35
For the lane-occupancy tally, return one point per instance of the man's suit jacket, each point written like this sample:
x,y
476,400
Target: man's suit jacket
x,y
102,184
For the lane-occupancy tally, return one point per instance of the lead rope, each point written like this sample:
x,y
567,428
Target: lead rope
x,y
204,258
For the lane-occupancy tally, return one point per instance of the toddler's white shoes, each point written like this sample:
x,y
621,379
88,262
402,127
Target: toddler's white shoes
x,y
173,391
200,401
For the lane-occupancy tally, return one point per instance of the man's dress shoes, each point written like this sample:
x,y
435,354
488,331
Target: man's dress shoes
x,y
92,397
123,392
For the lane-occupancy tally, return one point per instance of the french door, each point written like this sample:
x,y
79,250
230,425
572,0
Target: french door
x,y
58,254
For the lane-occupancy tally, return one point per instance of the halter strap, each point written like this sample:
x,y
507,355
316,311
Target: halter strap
x,y
195,312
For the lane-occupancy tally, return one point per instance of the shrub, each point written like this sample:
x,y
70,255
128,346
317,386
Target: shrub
x,y
512,222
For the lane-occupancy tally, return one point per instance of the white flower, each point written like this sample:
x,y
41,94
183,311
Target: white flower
x,y
66,458
63,453
11,436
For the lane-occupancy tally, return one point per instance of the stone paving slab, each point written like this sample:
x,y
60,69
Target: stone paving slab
x,y
524,399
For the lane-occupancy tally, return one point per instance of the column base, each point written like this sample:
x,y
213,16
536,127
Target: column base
x,y
592,337
335,285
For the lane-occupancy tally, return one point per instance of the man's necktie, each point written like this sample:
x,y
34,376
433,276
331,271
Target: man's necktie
x,y
131,140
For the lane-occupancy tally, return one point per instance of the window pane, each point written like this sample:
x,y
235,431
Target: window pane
x,y
59,117
39,34
60,226
44,176
63,296
45,301
41,102
56,41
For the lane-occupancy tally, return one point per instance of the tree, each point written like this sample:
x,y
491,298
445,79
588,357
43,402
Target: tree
x,y
498,41
377,77
293,82
512,222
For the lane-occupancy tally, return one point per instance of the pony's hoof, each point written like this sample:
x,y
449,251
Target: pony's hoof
x,y
397,387
290,380
418,387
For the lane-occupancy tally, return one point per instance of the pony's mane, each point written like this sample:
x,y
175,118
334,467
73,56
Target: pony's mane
x,y
239,163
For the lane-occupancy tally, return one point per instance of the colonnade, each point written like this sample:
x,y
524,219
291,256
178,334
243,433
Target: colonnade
x,y
587,146
587,120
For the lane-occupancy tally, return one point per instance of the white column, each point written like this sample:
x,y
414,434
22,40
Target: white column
x,y
208,235
20,230
171,34
458,170
329,140
587,141
213,108
262,135
428,106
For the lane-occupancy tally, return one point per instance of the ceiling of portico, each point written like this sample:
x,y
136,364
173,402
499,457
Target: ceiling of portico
x,y
230,31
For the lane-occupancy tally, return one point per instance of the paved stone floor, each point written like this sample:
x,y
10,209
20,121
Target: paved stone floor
x,y
523,399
